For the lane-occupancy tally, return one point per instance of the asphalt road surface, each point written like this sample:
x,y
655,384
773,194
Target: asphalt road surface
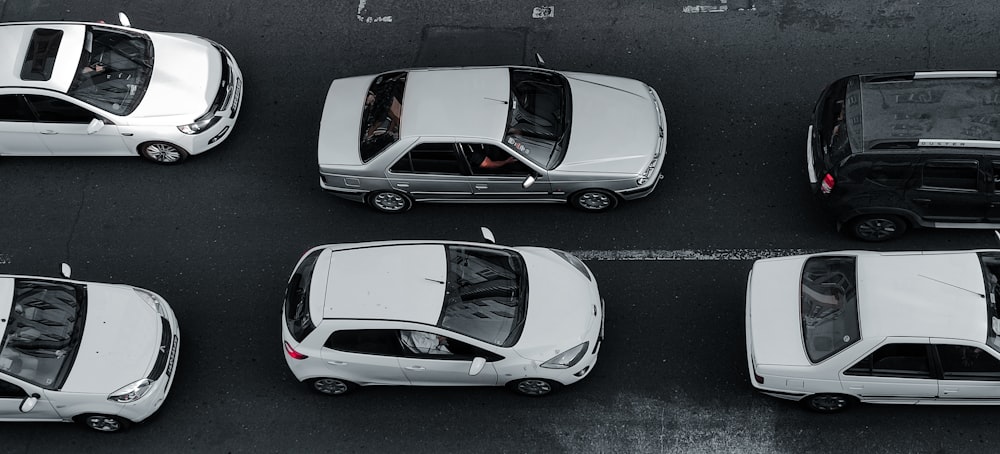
x,y
218,235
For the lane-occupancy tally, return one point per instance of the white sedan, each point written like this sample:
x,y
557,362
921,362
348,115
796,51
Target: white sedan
x,y
99,354
439,313
836,328
95,89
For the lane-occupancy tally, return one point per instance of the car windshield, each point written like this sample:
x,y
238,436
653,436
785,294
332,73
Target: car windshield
x,y
114,71
830,320
539,117
43,331
990,262
381,115
486,294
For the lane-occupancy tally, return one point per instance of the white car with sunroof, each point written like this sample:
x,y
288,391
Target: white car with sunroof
x,y
837,328
441,313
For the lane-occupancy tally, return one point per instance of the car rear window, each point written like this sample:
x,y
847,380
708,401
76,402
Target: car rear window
x,y
297,316
41,55
829,305
487,294
381,115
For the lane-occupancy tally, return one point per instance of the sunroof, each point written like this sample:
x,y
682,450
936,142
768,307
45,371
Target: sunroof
x,y
41,55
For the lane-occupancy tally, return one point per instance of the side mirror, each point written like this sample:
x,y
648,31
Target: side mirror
x,y
528,181
477,365
997,233
123,19
29,403
65,270
539,62
95,125
488,235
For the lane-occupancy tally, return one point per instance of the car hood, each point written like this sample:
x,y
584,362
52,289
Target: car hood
x,y
563,306
773,296
187,72
121,338
341,120
615,125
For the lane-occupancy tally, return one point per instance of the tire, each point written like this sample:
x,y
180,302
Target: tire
x,y
103,423
390,201
534,387
163,152
828,403
593,200
877,227
331,386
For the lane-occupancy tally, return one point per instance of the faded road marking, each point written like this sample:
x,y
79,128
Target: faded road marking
x,y
687,254
4,259
543,12
721,6
363,11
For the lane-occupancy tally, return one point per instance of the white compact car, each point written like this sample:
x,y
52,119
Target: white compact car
x,y
99,354
95,89
837,328
439,313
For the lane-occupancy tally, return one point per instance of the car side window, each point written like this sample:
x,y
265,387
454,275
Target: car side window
x,y
421,344
430,158
486,159
961,362
53,110
894,360
995,185
960,175
368,341
893,174
11,390
15,108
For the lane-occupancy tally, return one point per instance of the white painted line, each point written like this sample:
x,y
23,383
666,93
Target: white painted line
x,y
687,254
543,12
370,19
720,7
4,259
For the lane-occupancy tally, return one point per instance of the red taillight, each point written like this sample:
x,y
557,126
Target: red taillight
x,y
291,352
827,184
758,378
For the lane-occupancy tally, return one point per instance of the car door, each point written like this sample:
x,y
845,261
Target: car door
x,y
63,127
495,174
368,356
896,372
948,190
970,374
18,134
12,395
430,171
433,359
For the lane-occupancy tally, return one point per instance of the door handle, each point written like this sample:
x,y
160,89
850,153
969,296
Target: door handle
x,y
415,368
949,390
337,363
482,186
922,201
402,185
48,132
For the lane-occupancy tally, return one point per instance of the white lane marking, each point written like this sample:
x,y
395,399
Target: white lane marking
x,y
721,6
687,254
543,12
370,19
4,259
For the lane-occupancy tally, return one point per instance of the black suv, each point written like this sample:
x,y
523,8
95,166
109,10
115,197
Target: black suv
x,y
922,149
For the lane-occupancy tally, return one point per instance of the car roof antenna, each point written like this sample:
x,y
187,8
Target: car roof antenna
x,y
539,61
488,235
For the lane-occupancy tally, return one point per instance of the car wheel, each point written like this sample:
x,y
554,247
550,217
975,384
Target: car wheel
x,y
331,386
827,403
162,152
390,201
877,227
593,200
103,423
534,387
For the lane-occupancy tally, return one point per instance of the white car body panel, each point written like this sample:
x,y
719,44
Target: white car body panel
x,y
177,87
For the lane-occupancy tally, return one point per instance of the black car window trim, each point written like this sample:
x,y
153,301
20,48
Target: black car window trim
x,y
859,369
40,118
967,164
408,157
488,354
983,357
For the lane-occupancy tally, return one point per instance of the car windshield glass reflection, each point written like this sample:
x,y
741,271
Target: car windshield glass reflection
x,y
380,119
486,294
990,262
43,331
538,121
830,320
114,72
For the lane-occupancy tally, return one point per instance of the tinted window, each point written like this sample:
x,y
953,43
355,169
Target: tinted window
x,y
893,174
52,110
486,294
10,390
961,362
15,108
297,316
486,159
995,185
895,360
380,118
41,55
368,341
950,175
434,158
829,306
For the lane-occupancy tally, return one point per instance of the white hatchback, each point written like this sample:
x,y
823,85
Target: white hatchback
x,y
836,328
99,354
439,313
95,89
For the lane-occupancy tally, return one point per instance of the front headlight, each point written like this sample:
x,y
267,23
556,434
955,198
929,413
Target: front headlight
x,y
152,299
573,261
132,391
200,124
568,358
